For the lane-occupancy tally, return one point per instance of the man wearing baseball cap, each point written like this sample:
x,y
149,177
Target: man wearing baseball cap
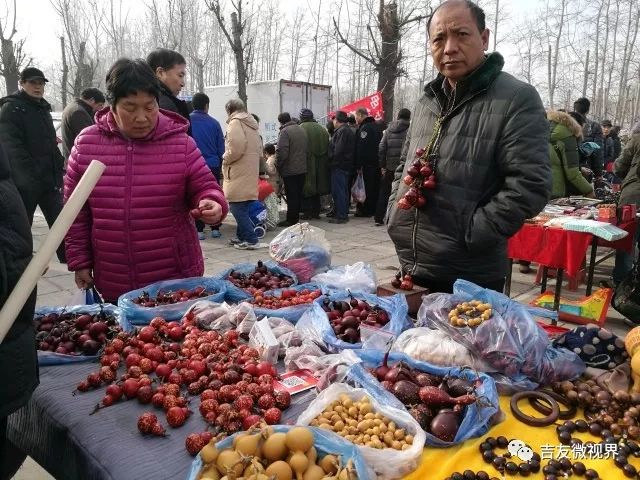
x,y
29,138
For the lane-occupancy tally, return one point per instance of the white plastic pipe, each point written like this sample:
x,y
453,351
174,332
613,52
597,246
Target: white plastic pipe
x,y
41,259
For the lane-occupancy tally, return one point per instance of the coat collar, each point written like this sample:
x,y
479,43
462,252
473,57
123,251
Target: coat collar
x,y
480,79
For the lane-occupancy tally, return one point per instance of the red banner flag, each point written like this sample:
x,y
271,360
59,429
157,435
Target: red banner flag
x,y
373,104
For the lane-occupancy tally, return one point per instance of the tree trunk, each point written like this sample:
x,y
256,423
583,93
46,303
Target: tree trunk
x,y
200,74
390,56
10,66
554,68
65,73
586,75
238,50
549,80
594,86
495,26
612,65
627,56
600,100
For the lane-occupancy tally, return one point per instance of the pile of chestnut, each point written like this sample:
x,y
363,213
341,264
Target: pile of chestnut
x,y
346,317
169,298
437,403
260,280
75,333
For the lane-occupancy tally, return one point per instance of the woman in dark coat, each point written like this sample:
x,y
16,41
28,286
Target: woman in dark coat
x,y
18,361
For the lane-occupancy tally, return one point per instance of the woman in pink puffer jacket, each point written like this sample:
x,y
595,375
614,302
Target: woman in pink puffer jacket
x,y
136,227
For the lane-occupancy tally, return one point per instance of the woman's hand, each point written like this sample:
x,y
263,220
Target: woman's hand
x,y
211,211
84,279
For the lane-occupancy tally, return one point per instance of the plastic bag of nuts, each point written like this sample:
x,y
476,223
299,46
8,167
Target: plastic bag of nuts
x,y
341,405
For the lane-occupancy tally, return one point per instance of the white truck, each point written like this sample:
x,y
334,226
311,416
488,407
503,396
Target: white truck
x,y
270,98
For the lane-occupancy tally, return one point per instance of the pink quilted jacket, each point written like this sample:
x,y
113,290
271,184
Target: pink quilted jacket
x,y
135,229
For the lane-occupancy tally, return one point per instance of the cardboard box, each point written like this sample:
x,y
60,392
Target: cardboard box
x,y
262,338
414,297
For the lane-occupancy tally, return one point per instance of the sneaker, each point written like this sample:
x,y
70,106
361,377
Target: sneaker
x,y
200,235
234,241
215,234
250,246
338,220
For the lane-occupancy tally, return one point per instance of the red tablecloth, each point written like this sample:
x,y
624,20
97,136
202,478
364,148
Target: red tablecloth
x,y
558,248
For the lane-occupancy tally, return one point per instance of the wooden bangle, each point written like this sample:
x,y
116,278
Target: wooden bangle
x,y
533,421
567,414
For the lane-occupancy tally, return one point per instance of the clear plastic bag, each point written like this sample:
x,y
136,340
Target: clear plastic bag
x,y
511,341
243,317
235,294
315,323
302,356
478,416
386,463
325,443
358,277
210,315
358,192
53,358
302,249
437,348
291,313
139,315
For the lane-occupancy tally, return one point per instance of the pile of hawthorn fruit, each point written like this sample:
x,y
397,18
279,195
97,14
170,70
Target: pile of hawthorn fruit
x,y
169,298
287,298
169,365
346,317
75,333
260,280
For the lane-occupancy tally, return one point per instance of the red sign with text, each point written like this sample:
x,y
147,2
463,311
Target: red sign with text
x,y
373,104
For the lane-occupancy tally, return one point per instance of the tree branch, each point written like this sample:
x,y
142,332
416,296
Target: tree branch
x,y
214,6
373,38
352,48
411,20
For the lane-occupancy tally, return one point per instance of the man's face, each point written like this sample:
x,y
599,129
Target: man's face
x,y
359,118
173,78
606,130
33,88
457,46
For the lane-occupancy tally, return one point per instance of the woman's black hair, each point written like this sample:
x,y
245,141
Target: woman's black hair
x,y
270,148
165,59
127,77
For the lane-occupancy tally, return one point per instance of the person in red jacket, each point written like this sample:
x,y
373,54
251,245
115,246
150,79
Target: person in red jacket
x,y
136,228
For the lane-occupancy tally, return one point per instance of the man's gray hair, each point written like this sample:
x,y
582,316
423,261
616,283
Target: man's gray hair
x,y
235,105
362,111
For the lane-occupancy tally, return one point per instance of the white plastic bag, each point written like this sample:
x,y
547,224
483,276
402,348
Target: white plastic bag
x,y
437,348
303,249
387,463
211,315
358,192
358,277
83,297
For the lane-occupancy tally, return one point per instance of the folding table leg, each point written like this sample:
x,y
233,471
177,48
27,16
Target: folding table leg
x,y
507,282
558,291
592,264
545,275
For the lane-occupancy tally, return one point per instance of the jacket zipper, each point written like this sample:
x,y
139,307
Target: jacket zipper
x,y
127,206
435,145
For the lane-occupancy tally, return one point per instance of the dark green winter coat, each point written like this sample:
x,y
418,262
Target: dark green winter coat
x,y
493,173
565,160
317,181
627,167
18,361
29,139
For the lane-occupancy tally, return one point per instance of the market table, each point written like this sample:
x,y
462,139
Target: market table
x,y
56,430
563,250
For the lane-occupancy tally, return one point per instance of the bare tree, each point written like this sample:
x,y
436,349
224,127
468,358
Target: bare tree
x,y
555,52
385,55
12,54
238,44
65,71
629,47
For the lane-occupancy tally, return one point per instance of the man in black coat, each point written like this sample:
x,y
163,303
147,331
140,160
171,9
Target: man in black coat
x,y
78,115
389,153
341,150
28,135
591,132
18,360
368,139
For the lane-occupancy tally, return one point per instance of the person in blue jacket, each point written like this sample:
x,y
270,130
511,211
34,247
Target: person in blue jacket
x,y
207,133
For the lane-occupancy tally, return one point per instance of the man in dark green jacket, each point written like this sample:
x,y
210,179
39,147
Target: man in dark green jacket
x,y
487,139
291,161
28,136
78,115
317,182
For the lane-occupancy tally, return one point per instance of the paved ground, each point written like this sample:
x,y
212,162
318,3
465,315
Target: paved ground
x,y
358,240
